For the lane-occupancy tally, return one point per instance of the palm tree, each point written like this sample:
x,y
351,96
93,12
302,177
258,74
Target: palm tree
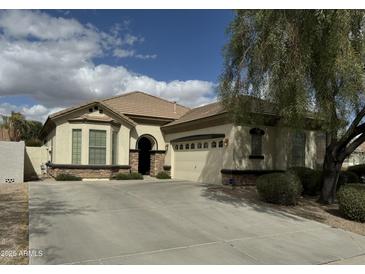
x,y
16,125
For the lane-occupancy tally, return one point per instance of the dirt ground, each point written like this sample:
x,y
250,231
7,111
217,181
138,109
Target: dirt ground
x,y
308,207
14,240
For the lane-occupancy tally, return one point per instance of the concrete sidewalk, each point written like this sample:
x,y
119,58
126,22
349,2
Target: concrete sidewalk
x,y
120,222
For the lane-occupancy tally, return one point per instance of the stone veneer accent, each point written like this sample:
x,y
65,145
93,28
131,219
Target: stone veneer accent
x,y
84,171
239,180
243,177
133,159
157,161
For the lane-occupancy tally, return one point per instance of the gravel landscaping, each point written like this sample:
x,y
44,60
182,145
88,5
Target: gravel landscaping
x,y
307,207
14,240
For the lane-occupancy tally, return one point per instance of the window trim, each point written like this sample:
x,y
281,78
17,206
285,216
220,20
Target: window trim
x,y
256,133
78,162
98,147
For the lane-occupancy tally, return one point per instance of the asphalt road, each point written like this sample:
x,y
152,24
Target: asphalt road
x,y
120,222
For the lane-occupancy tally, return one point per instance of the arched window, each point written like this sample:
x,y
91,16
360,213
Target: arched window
x,y
256,142
199,145
214,144
181,147
176,147
205,145
220,144
192,146
187,146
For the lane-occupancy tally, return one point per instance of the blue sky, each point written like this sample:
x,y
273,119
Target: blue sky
x,y
56,58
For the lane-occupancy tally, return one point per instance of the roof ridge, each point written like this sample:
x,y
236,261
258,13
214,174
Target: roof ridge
x,y
145,93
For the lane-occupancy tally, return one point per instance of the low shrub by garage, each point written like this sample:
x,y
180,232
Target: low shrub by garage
x,y
311,179
347,177
351,200
163,175
358,169
279,188
67,177
128,176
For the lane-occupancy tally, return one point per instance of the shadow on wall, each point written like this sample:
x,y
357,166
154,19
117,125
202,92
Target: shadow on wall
x,y
29,170
237,155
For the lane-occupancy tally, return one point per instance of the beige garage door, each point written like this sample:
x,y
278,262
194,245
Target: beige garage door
x,y
201,165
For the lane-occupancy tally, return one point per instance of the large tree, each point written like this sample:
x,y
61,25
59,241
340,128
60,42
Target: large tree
x,y
304,61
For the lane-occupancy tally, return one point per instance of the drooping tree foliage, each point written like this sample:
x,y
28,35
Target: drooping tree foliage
x,y
303,61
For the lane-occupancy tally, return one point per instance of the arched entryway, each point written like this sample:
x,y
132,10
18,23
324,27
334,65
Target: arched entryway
x,y
144,146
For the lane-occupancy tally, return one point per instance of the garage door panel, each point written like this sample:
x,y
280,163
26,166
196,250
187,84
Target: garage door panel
x,y
198,165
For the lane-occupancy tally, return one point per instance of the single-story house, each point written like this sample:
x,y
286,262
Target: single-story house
x,y
147,134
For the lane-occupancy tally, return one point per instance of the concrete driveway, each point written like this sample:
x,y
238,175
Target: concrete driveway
x,y
172,223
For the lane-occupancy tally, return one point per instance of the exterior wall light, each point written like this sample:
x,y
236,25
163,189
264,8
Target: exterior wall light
x,y
226,142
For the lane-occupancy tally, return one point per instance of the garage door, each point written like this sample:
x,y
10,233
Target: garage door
x,y
198,163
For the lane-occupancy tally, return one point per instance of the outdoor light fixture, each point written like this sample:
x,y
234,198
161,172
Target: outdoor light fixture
x,y
226,142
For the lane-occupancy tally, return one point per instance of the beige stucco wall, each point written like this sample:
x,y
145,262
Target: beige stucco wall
x,y
142,129
62,139
205,164
12,162
35,157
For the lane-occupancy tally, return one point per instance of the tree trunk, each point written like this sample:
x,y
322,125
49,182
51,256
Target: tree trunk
x,y
331,173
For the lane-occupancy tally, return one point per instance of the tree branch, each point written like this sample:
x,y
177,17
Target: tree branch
x,y
352,146
350,131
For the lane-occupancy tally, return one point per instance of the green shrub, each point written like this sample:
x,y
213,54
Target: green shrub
x,y
67,177
136,176
163,175
358,169
279,188
311,179
351,200
347,177
128,176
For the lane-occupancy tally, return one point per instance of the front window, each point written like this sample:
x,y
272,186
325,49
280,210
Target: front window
x,y
298,148
76,146
97,147
256,141
114,147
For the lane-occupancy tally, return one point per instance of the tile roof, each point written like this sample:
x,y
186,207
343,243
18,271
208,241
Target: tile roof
x,y
136,103
200,112
142,104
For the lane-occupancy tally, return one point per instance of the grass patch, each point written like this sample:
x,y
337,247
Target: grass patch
x,y
14,218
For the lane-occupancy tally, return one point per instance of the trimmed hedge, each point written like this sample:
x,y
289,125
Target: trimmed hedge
x,y
311,179
67,177
279,188
163,175
358,169
347,177
351,200
128,176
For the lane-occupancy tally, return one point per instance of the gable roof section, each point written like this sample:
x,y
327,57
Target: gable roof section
x,y
206,111
142,104
89,104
